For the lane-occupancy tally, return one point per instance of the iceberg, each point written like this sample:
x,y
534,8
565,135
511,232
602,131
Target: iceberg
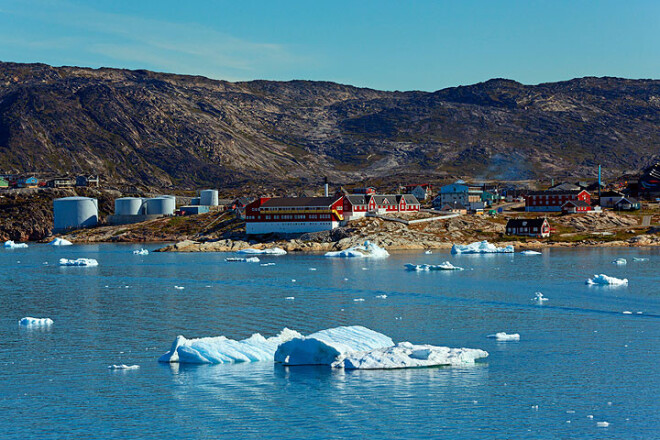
x,y
480,247
140,252
640,259
502,336
620,261
429,252
530,252
123,367
271,251
60,242
538,296
35,322
242,260
9,244
602,279
79,262
221,350
323,347
407,355
367,250
428,267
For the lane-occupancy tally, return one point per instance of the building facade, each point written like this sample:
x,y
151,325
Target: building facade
x,y
293,214
536,227
552,201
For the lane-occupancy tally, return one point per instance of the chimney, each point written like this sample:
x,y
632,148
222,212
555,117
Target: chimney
x,y
325,180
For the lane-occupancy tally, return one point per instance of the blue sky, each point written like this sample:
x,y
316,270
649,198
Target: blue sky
x,y
389,45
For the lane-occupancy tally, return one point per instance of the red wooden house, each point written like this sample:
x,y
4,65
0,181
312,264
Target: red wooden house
x,y
548,201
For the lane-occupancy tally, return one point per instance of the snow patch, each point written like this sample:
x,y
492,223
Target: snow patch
x,y
271,251
79,262
480,247
221,350
502,336
9,244
35,322
60,242
446,265
367,250
602,279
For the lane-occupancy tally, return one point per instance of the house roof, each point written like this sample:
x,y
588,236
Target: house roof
x,y
357,199
409,198
630,200
299,201
577,203
525,222
565,186
552,192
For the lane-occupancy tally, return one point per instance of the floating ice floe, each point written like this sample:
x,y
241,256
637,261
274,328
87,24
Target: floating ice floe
x,y
480,247
221,350
627,312
367,250
79,262
35,322
242,260
9,244
141,252
602,424
538,296
290,298
620,261
429,252
407,355
270,251
502,336
602,279
358,299
323,347
428,267
640,259
267,264
530,252
179,287
60,242
381,296
312,269
123,367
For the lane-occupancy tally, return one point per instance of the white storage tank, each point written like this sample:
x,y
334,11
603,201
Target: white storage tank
x,y
75,213
128,206
208,197
164,205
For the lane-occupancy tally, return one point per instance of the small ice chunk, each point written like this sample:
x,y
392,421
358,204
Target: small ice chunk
x,y
367,250
312,269
627,312
602,279
530,252
502,336
290,298
28,321
535,407
358,299
323,347
620,261
269,251
242,260
602,424
480,247
293,280
429,252
538,297
9,244
640,259
267,264
123,367
141,251
60,242
79,262
446,265
407,355
590,416
179,287
345,279
381,296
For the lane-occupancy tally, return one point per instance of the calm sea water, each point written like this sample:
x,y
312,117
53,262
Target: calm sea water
x,y
579,355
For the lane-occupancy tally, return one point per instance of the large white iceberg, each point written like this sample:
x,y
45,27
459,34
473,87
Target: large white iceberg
x,y
603,279
79,262
60,242
368,249
28,321
407,355
271,251
323,347
9,244
428,267
221,350
480,247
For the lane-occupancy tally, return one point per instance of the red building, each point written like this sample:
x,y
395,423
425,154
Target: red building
x,y
293,214
357,205
575,207
547,201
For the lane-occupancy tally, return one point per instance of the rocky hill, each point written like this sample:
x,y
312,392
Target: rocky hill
x,y
160,130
